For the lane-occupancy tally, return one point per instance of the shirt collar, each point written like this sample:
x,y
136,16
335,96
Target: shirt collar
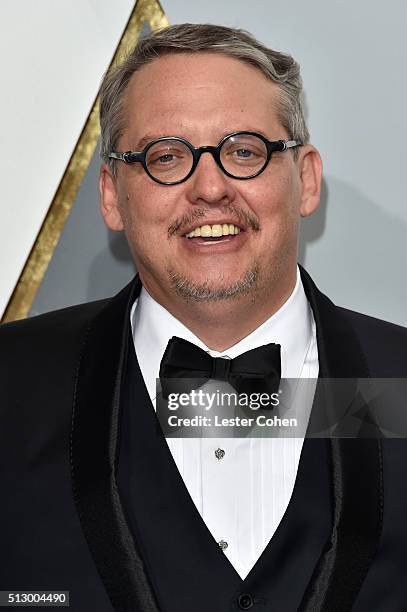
x,y
291,327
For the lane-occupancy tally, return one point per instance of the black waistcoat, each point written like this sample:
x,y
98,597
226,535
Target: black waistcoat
x,y
186,567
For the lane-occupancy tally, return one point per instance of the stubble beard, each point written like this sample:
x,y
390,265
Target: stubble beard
x,y
211,290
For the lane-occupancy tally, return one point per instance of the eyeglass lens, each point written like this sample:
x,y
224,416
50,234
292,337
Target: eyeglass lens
x,y
169,160
241,156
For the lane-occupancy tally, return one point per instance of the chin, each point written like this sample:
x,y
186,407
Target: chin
x,y
214,288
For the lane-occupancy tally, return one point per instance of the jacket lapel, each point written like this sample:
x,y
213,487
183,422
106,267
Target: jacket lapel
x,y
94,452
356,467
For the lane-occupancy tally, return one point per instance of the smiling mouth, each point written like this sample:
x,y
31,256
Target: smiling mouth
x,y
214,233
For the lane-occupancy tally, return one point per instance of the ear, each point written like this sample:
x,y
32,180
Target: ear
x,y
310,166
109,201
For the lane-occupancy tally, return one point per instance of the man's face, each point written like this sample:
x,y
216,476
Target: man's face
x,y
202,98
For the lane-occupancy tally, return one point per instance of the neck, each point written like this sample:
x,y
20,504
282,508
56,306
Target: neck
x,y
222,324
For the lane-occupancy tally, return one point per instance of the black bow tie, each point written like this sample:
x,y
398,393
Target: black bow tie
x,y
256,371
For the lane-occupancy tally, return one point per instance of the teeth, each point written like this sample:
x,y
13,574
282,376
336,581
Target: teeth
x,y
214,231
206,231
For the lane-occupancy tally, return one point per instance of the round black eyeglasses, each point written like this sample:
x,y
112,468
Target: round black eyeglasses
x,y
171,160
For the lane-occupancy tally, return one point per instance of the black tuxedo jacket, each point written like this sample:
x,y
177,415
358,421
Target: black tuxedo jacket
x,y
88,507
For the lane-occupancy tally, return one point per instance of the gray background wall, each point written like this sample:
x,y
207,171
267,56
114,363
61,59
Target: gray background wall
x,y
353,59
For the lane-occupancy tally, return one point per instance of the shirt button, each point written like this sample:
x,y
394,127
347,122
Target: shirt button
x,y
245,601
219,453
223,545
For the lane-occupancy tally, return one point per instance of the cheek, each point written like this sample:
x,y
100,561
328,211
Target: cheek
x,y
286,189
151,205
146,215
277,199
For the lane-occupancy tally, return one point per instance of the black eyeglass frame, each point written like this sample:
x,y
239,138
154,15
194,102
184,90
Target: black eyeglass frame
x,y
131,157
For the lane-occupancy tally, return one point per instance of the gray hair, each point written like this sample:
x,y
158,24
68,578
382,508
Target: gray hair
x,y
190,38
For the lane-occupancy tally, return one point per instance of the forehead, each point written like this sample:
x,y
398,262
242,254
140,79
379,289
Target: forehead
x,y
199,94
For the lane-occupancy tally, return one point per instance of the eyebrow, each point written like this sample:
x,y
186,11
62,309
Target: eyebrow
x,y
146,139
151,137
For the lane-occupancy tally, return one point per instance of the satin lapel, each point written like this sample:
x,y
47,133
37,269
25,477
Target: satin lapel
x,y
94,452
356,466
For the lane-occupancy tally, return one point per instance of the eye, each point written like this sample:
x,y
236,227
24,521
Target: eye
x,y
244,153
164,157
167,155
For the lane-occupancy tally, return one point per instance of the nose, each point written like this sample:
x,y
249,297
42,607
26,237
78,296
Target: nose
x,y
209,184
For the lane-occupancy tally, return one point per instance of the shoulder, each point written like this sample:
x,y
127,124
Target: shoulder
x,y
384,344
45,336
370,329
72,318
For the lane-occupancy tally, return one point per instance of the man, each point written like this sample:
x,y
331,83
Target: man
x,y
207,168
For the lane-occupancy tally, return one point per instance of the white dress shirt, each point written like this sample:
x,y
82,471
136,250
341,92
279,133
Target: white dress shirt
x,y
242,496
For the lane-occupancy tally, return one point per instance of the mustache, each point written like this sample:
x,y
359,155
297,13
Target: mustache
x,y
248,219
